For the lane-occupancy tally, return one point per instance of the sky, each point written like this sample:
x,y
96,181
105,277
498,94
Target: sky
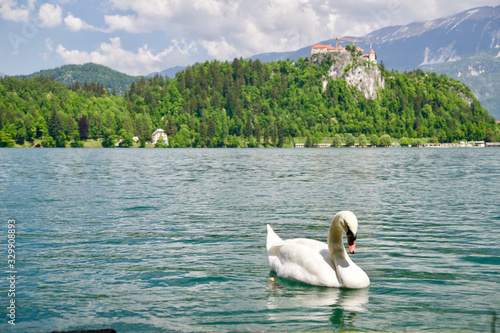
x,y
139,37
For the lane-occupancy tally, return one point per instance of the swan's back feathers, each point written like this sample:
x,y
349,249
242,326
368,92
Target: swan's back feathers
x,y
272,238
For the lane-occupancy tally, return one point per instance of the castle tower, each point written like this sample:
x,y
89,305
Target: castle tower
x,y
371,56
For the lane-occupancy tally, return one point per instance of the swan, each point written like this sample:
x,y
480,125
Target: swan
x,y
316,263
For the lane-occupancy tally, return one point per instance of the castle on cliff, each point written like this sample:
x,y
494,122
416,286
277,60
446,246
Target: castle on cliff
x,y
322,49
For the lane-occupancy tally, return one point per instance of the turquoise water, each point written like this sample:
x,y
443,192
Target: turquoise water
x,y
159,240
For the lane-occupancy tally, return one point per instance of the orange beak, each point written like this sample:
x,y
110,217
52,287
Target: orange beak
x,y
350,241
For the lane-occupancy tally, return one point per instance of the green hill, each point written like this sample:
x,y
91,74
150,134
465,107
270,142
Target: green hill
x,y
70,74
481,73
247,104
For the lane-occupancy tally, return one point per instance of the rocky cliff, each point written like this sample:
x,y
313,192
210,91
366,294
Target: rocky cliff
x,y
356,70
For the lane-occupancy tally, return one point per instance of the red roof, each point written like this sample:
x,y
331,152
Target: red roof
x,y
372,52
318,46
358,48
321,46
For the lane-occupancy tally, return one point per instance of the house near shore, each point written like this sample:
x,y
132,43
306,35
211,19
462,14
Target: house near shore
x,y
159,134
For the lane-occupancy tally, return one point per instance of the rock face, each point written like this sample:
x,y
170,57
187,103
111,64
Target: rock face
x,y
366,77
358,72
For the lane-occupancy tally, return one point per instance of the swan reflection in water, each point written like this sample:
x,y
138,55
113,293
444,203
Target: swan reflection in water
x,y
293,301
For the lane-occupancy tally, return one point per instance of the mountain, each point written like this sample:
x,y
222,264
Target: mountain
x,y
109,78
169,72
443,40
481,73
465,46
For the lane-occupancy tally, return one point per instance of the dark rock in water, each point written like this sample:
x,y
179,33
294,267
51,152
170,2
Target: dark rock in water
x,y
106,330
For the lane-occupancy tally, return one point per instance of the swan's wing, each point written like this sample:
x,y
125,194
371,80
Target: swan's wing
x,y
303,260
351,275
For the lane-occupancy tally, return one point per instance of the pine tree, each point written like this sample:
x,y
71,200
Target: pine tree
x,y
281,134
258,133
274,134
55,124
266,135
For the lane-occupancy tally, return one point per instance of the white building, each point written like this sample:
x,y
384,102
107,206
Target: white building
x,y
157,134
372,57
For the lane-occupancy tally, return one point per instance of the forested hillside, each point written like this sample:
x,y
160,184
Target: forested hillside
x,y
244,103
79,74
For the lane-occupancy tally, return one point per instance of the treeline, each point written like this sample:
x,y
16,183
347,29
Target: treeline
x,y
89,73
242,104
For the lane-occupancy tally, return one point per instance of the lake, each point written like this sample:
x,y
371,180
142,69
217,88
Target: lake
x,y
155,240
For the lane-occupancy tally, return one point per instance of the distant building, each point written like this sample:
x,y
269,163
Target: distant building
x,y
159,133
321,49
136,139
372,57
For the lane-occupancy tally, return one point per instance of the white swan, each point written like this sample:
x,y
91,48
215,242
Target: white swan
x,y
316,263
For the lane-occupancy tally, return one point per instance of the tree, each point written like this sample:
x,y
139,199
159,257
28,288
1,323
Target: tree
x,y
362,140
55,124
274,134
350,140
281,134
6,140
183,138
127,140
109,139
374,139
83,128
76,144
404,141
48,142
212,129
308,142
249,126
258,133
385,140
21,132
61,140
266,135
252,143
337,141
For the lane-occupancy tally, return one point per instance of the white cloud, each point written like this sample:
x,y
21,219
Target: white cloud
x,y
111,54
49,45
127,23
226,29
11,11
50,15
221,49
76,24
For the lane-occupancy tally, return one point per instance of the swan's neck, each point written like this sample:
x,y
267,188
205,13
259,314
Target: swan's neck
x,y
335,244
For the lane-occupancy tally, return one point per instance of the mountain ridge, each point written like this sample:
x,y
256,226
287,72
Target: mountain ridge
x,y
89,72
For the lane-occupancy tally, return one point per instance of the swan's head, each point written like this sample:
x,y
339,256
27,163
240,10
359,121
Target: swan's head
x,y
349,223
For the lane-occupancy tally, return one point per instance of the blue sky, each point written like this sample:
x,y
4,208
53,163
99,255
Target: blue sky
x,y
140,37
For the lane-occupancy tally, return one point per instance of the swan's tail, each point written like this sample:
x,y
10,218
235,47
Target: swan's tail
x,y
272,238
